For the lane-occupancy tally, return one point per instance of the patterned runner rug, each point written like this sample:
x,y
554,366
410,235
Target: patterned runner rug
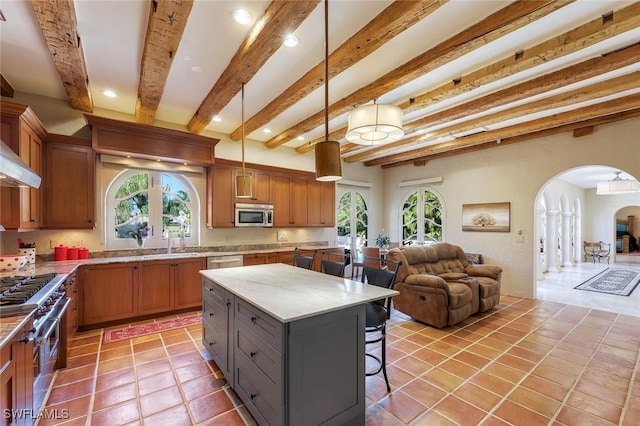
x,y
620,282
155,327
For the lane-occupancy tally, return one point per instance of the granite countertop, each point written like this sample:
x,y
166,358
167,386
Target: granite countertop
x,y
289,293
9,326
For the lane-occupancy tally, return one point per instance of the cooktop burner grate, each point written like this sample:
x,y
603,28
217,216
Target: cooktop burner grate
x,y
17,290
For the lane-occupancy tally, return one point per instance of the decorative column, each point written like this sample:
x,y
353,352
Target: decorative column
x,y
566,238
551,245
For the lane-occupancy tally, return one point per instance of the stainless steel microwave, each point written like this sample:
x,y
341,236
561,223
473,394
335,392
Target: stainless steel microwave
x,y
258,215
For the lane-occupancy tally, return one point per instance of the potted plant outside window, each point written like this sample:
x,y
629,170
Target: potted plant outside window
x,y
383,241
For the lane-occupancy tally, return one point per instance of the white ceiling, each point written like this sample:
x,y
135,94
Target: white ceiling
x,y
113,35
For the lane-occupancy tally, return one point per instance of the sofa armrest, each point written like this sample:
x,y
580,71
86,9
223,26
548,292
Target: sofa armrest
x,y
426,280
490,271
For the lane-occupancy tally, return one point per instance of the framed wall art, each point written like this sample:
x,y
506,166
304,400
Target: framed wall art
x,y
486,217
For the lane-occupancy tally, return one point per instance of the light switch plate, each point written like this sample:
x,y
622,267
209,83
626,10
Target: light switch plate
x,y
282,236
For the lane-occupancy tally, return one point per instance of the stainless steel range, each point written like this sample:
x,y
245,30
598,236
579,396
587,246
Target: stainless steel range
x,y
46,296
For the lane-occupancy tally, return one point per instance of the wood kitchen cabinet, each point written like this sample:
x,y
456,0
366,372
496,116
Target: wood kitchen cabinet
x,y
156,287
321,199
260,186
22,131
69,183
289,201
16,377
188,282
259,259
220,197
108,292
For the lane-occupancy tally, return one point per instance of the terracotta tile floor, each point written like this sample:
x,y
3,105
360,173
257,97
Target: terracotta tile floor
x,y
528,362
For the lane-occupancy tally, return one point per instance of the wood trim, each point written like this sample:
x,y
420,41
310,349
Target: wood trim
x,y
67,140
5,87
499,24
264,39
167,20
60,30
25,113
150,142
273,169
397,17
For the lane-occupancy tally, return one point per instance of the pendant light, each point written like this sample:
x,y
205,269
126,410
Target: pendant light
x,y
328,161
375,124
618,186
243,180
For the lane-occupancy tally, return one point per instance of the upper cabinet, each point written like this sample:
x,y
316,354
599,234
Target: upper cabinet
x,y
298,199
22,131
69,183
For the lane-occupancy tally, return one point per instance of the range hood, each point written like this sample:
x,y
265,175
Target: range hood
x,y
14,171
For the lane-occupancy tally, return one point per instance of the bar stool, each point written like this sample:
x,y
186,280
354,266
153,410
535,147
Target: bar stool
x,y
303,260
333,267
379,311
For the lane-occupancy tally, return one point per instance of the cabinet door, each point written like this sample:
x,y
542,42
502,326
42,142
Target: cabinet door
x,y
262,187
156,287
321,196
108,292
299,202
188,282
281,201
254,259
32,202
220,197
286,257
69,186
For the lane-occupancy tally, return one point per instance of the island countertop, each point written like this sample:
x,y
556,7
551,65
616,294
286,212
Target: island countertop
x,y
289,293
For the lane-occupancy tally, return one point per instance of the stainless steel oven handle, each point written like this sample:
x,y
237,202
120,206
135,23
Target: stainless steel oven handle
x,y
42,340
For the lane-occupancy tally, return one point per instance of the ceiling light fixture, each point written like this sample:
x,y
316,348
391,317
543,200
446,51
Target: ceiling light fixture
x,y
243,181
617,185
109,93
217,118
375,124
266,130
241,16
327,152
291,40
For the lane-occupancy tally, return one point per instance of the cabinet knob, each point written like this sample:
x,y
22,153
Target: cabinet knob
x,y
210,314
34,220
89,221
209,288
228,303
212,343
252,354
253,396
253,319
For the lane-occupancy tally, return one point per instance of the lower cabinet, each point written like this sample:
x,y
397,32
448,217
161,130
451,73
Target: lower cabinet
x,y
120,291
259,259
305,372
16,378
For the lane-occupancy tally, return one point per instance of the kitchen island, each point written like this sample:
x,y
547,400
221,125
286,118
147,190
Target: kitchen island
x,y
290,341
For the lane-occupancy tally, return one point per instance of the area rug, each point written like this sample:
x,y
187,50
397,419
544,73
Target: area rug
x,y
620,282
111,336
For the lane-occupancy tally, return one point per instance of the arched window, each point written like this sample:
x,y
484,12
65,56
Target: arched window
x,y
352,220
421,219
153,204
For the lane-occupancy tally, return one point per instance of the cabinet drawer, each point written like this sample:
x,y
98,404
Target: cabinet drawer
x,y
262,355
264,401
214,339
260,323
213,291
214,313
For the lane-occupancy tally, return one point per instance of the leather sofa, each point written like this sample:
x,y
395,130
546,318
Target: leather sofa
x,y
439,287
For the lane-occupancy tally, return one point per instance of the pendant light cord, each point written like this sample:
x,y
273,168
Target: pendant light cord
x,y
326,70
242,114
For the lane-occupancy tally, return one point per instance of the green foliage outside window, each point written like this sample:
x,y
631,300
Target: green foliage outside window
x,y
431,223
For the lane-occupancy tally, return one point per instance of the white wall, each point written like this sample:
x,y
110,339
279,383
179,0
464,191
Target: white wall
x,y
516,173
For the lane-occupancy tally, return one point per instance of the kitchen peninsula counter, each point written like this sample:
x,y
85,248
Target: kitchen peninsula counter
x,y
290,341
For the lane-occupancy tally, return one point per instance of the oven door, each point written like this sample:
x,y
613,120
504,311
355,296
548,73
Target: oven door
x,y
46,349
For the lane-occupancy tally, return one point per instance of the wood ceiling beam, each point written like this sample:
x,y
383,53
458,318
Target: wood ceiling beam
x,y
5,88
167,21
557,79
581,114
571,127
499,24
393,20
585,35
57,20
264,39
598,90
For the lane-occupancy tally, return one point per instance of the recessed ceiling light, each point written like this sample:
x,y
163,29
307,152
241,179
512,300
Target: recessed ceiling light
x,y
291,40
217,118
196,69
300,138
187,58
241,16
109,93
266,130
157,159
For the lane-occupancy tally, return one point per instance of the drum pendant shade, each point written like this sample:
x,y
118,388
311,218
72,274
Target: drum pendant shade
x,y
375,124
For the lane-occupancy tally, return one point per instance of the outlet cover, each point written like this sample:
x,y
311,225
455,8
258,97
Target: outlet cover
x,y
519,238
282,236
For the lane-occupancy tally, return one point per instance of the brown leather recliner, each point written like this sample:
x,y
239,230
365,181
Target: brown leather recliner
x,y
439,287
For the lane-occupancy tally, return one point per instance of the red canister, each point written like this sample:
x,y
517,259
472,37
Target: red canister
x,y
83,253
72,253
60,252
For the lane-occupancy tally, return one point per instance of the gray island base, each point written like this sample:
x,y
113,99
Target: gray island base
x,y
290,341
